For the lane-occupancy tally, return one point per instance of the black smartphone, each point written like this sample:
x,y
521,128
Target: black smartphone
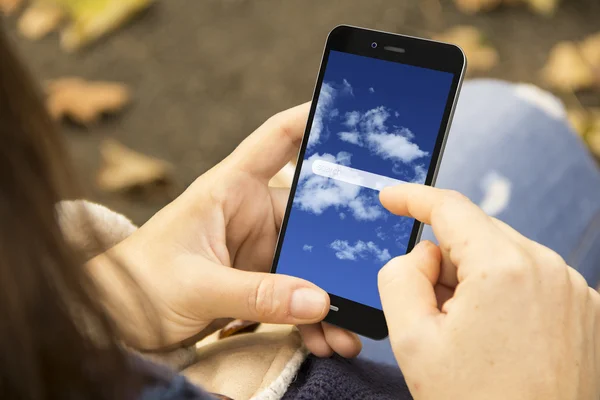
x,y
380,115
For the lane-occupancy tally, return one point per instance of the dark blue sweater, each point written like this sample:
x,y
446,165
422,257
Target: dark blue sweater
x,y
339,378
318,379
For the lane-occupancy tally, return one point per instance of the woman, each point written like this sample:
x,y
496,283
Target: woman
x,y
66,320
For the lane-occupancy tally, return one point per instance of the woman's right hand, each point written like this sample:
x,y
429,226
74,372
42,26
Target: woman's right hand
x,y
489,314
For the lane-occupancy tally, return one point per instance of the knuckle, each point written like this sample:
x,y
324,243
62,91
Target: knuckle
x,y
514,265
262,299
278,123
455,195
578,282
594,299
449,203
548,257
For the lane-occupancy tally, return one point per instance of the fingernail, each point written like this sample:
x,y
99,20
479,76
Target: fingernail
x,y
307,303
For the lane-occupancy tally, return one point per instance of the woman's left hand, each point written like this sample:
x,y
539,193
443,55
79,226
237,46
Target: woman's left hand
x,y
207,255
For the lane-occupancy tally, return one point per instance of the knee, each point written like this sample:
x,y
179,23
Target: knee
x,y
496,91
542,99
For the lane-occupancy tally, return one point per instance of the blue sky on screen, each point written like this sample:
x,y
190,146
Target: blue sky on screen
x,y
373,115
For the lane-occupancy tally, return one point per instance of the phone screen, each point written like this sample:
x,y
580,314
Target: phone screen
x,y
376,124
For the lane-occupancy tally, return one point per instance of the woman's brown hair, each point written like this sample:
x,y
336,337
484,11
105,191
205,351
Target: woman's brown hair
x,y
45,351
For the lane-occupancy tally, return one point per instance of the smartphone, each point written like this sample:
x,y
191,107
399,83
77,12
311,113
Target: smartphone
x,y
380,115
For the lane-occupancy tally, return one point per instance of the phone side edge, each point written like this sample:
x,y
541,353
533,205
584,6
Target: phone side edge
x,y
448,127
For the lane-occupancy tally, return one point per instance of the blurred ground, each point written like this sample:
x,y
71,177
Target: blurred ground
x,y
206,73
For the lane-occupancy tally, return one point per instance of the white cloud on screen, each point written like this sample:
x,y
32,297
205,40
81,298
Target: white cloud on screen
x,y
343,158
317,193
374,120
346,251
350,137
326,99
347,87
325,110
365,208
380,233
395,147
371,90
420,174
407,133
352,119
307,247
371,131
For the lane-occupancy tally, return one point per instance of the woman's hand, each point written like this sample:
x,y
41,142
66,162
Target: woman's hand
x,y
208,254
489,314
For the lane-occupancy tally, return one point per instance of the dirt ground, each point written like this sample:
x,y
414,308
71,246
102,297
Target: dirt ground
x,y
206,73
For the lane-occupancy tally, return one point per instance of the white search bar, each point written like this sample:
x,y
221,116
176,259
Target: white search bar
x,y
352,175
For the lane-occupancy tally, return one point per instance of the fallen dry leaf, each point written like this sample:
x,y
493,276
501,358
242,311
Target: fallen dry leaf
x,y
475,6
39,19
480,56
84,102
590,50
544,7
237,327
7,7
566,69
92,19
125,169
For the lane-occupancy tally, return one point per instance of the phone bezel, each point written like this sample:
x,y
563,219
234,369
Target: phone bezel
x,y
360,318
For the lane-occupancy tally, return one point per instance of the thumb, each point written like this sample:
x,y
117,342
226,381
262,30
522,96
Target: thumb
x,y
406,287
264,297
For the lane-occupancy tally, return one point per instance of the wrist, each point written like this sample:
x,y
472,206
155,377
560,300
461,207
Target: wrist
x,y
124,301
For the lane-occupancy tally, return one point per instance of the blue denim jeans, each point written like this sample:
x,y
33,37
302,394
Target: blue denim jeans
x,y
511,151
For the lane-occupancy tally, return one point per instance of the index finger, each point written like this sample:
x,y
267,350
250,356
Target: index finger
x,y
273,144
458,224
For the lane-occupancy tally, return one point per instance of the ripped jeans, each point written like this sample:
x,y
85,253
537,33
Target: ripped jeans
x,y
511,151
